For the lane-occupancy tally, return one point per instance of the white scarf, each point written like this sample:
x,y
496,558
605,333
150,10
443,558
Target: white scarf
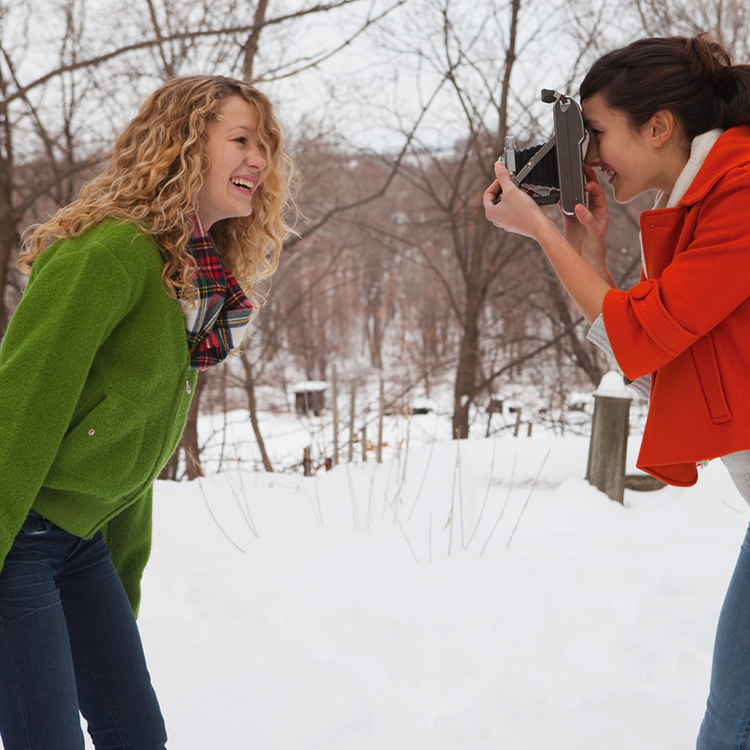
x,y
699,149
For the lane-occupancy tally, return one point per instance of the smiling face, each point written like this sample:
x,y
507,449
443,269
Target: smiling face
x,y
236,163
633,160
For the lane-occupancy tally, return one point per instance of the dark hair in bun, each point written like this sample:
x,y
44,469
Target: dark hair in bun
x,y
692,77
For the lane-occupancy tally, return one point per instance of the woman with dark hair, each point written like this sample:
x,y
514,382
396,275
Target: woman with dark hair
x,y
152,274
671,115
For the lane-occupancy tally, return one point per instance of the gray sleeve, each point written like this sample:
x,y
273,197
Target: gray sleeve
x,y
598,335
739,469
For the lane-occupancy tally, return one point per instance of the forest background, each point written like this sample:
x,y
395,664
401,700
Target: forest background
x,y
395,111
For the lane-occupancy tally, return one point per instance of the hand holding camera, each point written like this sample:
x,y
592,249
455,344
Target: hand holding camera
x,y
553,172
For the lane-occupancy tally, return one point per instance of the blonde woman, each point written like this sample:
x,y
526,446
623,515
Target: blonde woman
x,y
151,275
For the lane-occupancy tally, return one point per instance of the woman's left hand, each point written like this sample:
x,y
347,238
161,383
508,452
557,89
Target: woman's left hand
x,y
516,211
587,230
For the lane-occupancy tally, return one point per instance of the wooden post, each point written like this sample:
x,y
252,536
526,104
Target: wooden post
x,y
335,386
307,462
518,422
351,421
364,444
381,409
609,437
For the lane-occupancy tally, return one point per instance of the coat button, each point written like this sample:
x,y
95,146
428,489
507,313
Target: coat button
x,y
641,291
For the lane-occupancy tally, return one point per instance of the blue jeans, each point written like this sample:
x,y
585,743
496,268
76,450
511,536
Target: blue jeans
x,y
69,642
726,724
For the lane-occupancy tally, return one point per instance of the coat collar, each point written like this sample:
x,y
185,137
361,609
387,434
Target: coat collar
x,y
731,150
711,159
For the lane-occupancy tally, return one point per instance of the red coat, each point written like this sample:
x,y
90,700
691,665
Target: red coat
x,y
689,322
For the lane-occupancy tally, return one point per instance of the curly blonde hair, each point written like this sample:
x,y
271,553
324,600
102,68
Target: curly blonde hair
x,y
154,175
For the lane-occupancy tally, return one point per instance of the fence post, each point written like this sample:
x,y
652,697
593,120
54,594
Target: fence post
x,y
381,410
352,407
335,385
609,437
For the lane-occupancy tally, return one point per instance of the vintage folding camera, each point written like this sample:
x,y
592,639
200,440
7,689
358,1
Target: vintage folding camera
x,y
553,171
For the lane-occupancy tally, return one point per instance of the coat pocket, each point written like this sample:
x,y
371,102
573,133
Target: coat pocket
x,y
707,367
100,455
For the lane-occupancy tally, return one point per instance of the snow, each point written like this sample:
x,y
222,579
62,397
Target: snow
x,y
461,595
310,386
613,386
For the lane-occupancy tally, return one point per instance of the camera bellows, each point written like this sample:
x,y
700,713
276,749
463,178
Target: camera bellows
x,y
545,172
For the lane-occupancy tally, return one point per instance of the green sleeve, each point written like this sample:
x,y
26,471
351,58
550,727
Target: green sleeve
x,y
128,538
72,303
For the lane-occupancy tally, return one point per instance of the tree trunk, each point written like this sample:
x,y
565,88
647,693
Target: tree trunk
x,y
189,441
253,409
8,227
169,472
251,47
469,356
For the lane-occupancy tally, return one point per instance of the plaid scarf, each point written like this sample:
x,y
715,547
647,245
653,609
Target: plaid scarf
x,y
217,320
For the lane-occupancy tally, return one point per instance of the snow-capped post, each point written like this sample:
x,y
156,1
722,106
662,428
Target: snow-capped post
x,y
609,436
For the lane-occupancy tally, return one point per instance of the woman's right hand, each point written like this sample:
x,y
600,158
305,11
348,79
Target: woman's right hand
x,y
515,211
587,231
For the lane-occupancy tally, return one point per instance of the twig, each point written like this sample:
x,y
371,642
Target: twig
x,y
533,487
246,510
369,499
460,492
397,497
317,497
355,511
231,541
223,432
310,503
388,482
403,531
486,494
505,505
453,499
426,468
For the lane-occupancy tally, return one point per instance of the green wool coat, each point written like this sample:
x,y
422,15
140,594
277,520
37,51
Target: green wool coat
x,y
95,388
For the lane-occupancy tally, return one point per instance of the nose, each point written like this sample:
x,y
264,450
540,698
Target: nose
x,y
592,153
254,158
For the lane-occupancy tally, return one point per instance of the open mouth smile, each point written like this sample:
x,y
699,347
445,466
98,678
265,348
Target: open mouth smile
x,y
244,184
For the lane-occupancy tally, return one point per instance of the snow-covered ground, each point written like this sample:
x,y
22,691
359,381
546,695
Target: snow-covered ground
x,y
460,595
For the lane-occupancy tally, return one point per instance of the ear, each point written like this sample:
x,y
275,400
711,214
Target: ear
x,y
660,128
